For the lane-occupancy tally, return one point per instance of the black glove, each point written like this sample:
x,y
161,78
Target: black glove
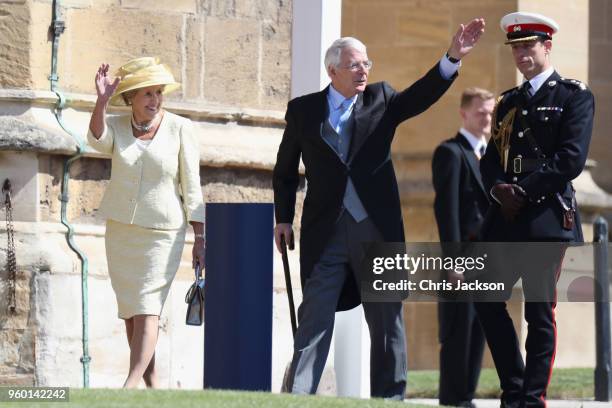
x,y
511,198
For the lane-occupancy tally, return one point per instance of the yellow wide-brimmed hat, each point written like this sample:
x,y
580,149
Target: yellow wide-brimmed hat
x,y
140,73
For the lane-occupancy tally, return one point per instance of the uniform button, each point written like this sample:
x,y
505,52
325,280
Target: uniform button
x,y
520,134
546,119
543,198
520,156
538,201
524,112
514,179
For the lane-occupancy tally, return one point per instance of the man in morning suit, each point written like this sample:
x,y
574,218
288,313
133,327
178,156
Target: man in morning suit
x,y
343,135
460,205
540,139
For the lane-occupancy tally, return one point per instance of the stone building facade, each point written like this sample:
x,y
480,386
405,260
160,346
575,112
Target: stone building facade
x,y
600,81
233,59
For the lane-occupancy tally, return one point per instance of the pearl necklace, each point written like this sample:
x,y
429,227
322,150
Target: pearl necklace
x,y
142,128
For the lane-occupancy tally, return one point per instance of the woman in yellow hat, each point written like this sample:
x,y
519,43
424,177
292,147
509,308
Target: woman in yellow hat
x,y
153,193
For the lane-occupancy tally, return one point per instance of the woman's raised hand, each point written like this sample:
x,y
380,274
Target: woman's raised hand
x,y
104,86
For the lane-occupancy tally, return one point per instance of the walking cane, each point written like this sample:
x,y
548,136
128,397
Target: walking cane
x,y
288,284
284,385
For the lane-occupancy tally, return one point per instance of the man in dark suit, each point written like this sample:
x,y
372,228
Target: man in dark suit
x,y
460,206
540,136
343,134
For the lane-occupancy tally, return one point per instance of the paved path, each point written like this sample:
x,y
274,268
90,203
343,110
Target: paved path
x,y
491,403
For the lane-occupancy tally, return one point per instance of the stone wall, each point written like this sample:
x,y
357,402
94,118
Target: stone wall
x,y
234,53
15,18
600,81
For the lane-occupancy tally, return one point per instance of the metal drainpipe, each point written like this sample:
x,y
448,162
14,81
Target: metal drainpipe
x,y
57,28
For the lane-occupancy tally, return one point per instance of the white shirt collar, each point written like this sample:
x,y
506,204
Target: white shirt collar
x,y
537,81
473,140
336,98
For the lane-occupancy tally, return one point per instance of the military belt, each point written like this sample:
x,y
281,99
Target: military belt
x,y
521,165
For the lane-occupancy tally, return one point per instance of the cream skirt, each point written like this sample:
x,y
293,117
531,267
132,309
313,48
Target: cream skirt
x,y
142,263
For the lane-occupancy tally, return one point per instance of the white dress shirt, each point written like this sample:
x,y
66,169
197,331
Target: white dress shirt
x,y
475,142
537,81
448,68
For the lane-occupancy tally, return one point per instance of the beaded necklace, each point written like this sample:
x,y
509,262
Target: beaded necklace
x,y
142,128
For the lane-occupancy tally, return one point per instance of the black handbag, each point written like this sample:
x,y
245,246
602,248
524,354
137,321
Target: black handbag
x,y
195,300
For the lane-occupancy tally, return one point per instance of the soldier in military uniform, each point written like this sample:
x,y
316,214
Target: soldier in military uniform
x,y
541,133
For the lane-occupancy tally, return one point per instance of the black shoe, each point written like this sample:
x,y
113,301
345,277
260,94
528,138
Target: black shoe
x,y
510,404
462,404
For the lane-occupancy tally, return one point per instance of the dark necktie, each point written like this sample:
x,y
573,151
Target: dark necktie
x,y
527,90
482,150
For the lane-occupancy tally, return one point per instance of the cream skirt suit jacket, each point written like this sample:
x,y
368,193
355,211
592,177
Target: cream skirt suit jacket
x,y
153,193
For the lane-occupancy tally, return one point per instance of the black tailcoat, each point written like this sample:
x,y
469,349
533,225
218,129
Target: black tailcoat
x,y
461,200
460,205
377,113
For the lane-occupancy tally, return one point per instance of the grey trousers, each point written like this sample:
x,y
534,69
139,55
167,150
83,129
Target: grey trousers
x,y
316,314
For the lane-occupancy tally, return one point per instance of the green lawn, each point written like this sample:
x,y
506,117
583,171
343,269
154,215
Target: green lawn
x,y
565,383
575,383
106,398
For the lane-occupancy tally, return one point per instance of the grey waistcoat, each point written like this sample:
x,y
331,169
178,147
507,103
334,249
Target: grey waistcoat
x,y
340,144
